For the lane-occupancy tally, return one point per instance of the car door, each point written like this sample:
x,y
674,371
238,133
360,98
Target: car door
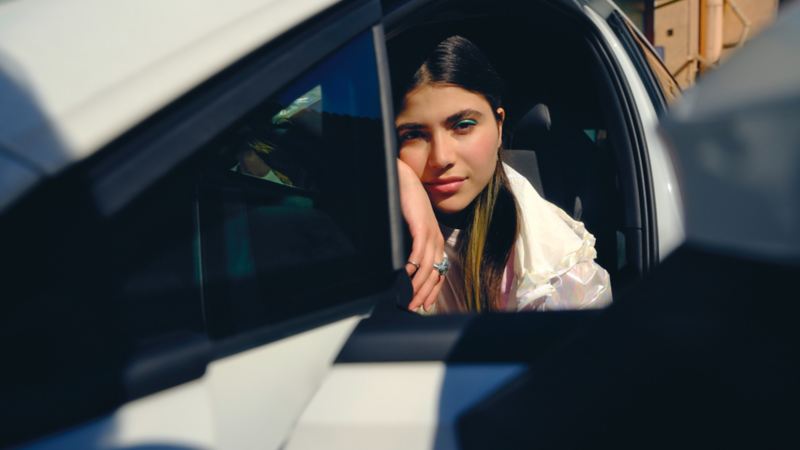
x,y
649,89
207,266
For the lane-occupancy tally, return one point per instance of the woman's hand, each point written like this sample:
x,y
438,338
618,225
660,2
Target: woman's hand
x,y
427,247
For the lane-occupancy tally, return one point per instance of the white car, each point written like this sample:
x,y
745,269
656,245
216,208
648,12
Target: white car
x,y
155,296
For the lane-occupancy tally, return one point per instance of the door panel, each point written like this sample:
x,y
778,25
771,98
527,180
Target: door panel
x,y
395,405
178,418
249,400
257,395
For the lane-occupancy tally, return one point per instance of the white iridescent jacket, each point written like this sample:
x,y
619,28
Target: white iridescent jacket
x,y
551,267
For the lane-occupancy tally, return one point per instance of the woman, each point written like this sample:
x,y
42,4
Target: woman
x,y
507,248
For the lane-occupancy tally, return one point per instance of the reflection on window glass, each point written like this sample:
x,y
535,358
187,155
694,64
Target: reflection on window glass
x,y
265,158
293,206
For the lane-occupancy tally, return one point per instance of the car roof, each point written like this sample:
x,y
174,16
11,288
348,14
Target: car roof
x,y
76,74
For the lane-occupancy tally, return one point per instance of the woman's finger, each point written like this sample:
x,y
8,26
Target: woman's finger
x,y
429,281
418,247
425,266
424,291
434,294
412,267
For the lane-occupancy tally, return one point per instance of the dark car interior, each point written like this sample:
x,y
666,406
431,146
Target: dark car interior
x,y
563,129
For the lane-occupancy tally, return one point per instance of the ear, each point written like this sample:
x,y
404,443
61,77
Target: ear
x,y
501,114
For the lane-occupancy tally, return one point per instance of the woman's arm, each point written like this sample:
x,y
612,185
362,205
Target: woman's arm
x,y
428,244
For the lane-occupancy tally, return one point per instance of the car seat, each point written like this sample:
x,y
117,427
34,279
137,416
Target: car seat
x,y
524,160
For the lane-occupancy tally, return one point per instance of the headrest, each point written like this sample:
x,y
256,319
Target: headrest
x,y
534,123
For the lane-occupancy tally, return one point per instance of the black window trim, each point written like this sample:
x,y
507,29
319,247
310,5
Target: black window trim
x,y
641,160
617,23
398,245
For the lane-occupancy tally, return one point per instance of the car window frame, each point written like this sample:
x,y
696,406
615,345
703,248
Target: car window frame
x,y
632,40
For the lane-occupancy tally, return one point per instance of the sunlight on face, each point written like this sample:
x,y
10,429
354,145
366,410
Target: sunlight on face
x,y
450,137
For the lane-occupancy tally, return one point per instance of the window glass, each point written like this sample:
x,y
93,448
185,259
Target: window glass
x,y
268,157
91,300
293,207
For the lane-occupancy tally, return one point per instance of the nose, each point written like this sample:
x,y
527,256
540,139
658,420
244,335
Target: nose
x,y
443,151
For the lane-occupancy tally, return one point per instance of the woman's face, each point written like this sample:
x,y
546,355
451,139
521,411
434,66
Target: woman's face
x,y
449,137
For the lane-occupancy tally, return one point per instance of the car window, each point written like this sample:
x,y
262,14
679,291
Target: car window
x,y
293,211
268,157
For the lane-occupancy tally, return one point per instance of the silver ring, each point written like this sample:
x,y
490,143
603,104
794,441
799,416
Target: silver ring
x,y
415,264
442,266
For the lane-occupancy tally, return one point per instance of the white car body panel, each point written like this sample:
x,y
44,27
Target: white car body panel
x,y
180,416
668,203
258,395
61,112
248,400
395,405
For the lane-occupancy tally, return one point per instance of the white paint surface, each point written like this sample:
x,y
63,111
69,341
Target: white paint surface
x,y
258,395
179,417
251,400
395,405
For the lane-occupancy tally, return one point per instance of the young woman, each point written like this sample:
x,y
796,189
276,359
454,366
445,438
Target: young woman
x,y
483,239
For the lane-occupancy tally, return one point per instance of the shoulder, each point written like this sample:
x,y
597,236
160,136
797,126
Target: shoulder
x,y
532,206
517,181
550,242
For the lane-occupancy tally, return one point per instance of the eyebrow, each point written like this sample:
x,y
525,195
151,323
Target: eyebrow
x,y
410,126
449,121
461,115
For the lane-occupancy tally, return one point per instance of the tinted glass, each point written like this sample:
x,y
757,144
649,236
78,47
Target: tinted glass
x,y
89,299
292,206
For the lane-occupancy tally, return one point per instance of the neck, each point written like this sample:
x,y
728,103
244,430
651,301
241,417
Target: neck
x,y
454,220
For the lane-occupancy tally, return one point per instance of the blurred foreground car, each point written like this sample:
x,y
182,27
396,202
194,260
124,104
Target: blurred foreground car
x,y
199,207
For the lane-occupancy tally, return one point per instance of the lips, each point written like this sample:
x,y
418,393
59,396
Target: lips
x,y
449,185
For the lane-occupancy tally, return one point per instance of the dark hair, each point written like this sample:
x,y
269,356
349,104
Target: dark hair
x,y
491,225
457,61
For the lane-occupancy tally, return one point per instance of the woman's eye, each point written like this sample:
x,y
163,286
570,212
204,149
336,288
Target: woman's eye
x,y
410,135
465,125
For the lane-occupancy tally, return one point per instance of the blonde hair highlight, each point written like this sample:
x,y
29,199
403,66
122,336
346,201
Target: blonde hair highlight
x,y
488,239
